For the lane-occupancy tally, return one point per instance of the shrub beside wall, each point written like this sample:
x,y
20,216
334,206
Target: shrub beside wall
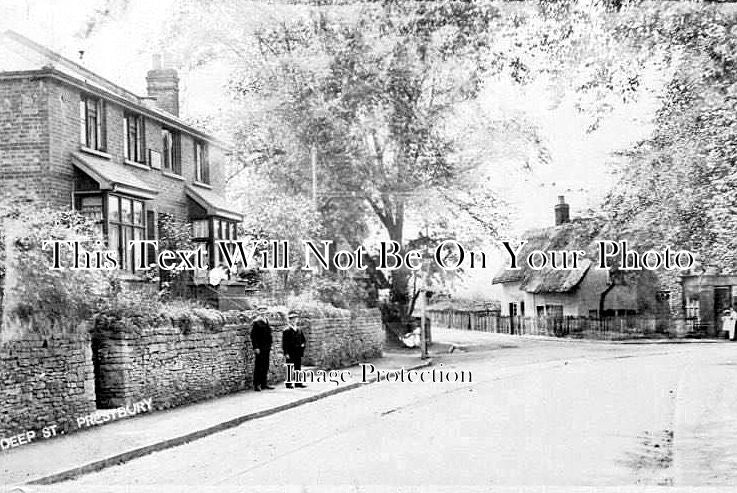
x,y
45,381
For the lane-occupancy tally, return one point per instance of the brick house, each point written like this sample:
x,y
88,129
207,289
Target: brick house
x,y
582,292
71,138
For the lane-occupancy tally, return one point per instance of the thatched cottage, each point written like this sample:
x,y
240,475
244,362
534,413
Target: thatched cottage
x,y
584,291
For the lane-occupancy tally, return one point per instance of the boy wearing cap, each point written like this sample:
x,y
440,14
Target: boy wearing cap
x,y
293,344
261,341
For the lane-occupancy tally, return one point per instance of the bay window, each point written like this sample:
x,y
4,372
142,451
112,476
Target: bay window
x,y
211,230
126,222
91,207
223,230
121,218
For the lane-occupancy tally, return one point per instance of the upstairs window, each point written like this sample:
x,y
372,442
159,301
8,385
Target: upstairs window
x,y
133,137
92,123
201,163
172,154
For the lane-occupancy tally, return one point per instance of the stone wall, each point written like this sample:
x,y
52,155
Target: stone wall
x,y
45,381
180,361
340,338
173,361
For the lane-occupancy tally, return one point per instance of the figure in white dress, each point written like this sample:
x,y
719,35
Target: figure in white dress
x,y
729,319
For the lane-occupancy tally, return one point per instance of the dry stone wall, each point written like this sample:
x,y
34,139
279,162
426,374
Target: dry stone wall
x,y
55,380
341,338
179,362
46,381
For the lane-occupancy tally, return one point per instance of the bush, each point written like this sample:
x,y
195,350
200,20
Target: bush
x,y
174,234
135,307
338,290
307,304
37,298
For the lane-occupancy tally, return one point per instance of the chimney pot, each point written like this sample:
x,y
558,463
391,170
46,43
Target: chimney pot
x,y
163,86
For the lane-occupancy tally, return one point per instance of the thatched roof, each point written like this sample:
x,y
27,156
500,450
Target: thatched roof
x,y
556,281
579,234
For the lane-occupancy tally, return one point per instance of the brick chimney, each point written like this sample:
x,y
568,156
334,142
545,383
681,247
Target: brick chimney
x,y
562,211
163,86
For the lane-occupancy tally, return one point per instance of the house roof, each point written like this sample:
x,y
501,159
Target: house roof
x,y
214,203
111,176
20,56
556,281
579,234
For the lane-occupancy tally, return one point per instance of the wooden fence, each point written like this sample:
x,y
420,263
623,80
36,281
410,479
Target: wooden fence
x,y
609,328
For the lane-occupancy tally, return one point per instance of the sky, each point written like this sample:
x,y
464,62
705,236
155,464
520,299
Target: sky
x,y
121,50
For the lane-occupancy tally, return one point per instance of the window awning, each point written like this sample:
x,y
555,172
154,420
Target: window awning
x,y
112,177
215,204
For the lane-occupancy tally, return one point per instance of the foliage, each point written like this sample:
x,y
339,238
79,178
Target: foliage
x,y
677,187
339,290
368,90
573,47
135,307
174,234
307,304
43,300
378,88
271,214
36,297
374,104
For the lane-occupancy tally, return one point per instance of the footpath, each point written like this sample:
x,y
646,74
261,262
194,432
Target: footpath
x,y
57,459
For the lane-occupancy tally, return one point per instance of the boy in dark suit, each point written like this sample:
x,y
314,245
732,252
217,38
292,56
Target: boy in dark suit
x,y
293,344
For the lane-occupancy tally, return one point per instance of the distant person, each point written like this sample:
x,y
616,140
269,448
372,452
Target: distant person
x,y
261,342
730,323
293,344
218,275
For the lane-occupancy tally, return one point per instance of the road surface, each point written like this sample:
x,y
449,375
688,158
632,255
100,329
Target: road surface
x,y
554,413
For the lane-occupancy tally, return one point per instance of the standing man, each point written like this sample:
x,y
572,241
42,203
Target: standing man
x,y
261,341
293,344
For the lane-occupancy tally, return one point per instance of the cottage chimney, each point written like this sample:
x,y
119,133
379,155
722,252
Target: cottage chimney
x,y
562,211
163,86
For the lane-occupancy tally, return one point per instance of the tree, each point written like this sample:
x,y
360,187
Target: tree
x,y
677,187
270,214
376,90
369,89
